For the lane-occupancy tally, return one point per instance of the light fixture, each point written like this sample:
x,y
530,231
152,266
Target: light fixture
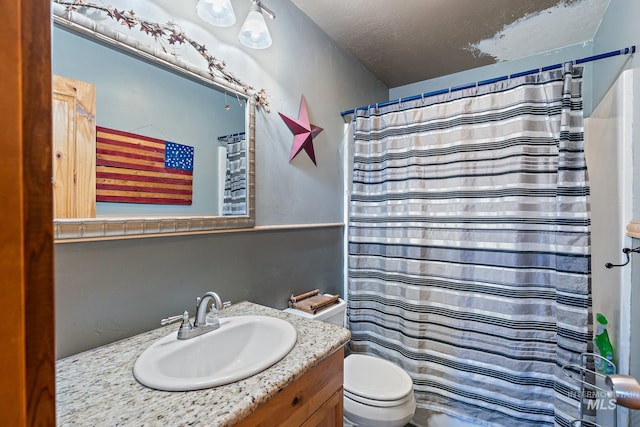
x,y
254,32
216,12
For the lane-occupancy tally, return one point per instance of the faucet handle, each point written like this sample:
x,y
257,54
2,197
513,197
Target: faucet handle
x,y
186,324
212,315
172,319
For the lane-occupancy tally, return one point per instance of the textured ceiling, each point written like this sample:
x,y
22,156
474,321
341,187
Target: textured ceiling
x,y
405,41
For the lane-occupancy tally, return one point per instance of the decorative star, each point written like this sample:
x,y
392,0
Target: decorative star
x,y
303,131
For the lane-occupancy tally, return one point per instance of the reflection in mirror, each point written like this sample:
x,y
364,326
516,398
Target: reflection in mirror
x,y
173,148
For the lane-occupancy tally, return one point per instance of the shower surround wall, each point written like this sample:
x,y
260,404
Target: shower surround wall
x,y
619,26
609,151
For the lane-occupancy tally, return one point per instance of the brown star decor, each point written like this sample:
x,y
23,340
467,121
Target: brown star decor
x,y
303,132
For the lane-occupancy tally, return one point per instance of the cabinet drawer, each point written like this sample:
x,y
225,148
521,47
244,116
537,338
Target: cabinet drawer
x,y
319,390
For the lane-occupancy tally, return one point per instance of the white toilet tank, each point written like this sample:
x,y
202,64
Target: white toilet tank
x,y
334,314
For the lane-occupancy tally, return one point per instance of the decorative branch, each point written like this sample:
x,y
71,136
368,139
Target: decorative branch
x,y
171,33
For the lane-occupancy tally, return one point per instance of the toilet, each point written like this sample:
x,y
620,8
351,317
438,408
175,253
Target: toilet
x,y
377,393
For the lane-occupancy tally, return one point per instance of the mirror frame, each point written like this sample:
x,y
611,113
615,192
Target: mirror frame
x,y
119,227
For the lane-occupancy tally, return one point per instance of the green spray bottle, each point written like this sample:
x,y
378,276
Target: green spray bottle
x,y
602,346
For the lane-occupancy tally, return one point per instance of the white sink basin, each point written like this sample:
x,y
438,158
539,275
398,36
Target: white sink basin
x,y
240,348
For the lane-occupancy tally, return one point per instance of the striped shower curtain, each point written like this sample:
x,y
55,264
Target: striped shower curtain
x,y
469,259
235,183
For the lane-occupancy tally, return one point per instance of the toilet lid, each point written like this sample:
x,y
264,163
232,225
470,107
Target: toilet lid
x,y
374,378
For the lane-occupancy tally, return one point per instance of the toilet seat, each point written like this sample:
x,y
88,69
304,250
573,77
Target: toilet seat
x,y
376,382
377,403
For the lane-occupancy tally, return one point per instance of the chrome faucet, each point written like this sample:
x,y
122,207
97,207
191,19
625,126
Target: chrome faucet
x,y
200,325
201,308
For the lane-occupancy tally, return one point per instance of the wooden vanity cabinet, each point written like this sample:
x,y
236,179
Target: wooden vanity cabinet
x,y
313,400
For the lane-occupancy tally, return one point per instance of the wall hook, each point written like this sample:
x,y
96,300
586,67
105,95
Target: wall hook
x,y
625,251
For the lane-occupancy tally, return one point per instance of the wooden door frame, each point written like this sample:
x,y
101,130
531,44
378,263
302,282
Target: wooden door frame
x,y
27,358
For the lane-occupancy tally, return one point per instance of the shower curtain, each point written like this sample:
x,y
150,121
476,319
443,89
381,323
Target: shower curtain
x,y
469,259
235,184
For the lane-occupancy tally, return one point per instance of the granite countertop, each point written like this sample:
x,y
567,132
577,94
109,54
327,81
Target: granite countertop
x,y
97,387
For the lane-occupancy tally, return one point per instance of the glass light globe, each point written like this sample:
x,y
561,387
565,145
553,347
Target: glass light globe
x,y
216,12
254,32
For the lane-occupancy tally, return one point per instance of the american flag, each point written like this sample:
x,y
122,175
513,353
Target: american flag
x,y
133,168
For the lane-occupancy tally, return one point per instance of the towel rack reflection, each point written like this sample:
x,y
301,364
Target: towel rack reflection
x,y
588,388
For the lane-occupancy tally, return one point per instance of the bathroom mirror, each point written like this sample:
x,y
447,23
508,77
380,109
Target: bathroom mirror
x,y
232,104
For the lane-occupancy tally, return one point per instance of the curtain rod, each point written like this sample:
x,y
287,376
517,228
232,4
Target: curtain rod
x,y
224,138
625,51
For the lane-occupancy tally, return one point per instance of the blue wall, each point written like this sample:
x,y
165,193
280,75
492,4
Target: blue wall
x,y
620,27
111,290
